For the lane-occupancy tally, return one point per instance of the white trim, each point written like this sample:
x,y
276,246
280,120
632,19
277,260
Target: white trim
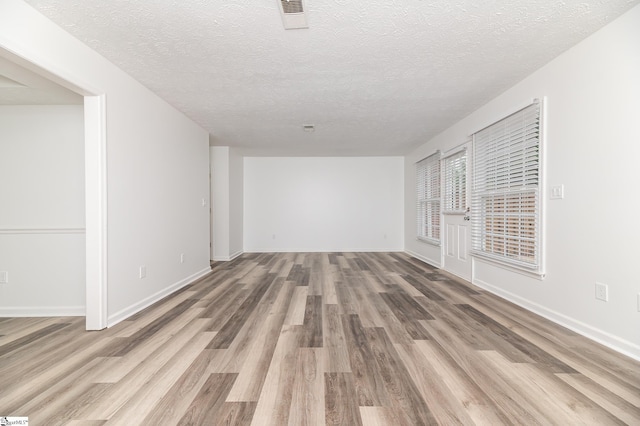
x,y
433,242
462,147
622,346
41,311
96,259
8,231
542,188
336,250
511,267
424,259
95,173
137,307
227,258
506,113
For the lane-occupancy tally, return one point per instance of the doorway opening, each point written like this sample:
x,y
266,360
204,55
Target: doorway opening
x,y
92,102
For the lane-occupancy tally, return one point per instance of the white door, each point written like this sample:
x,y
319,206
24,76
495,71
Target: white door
x,y
455,209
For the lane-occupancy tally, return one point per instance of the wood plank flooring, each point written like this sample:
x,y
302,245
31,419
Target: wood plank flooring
x,y
313,339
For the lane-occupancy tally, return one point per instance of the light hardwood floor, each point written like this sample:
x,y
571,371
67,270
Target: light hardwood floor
x,y
313,339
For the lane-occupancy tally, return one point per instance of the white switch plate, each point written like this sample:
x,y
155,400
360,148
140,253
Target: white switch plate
x,y
602,292
557,192
181,257
143,272
4,277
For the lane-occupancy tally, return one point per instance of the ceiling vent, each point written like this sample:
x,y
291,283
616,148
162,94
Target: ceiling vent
x,y
293,16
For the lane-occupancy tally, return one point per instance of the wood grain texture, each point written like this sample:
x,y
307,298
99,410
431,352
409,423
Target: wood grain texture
x,y
316,338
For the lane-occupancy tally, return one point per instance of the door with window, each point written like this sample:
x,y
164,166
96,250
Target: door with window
x,y
455,211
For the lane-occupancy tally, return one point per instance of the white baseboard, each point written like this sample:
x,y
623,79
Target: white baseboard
x,y
613,342
137,307
41,311
424,258
227,258
338,250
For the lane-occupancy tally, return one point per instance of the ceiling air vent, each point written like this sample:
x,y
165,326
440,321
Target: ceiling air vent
x,y
293,16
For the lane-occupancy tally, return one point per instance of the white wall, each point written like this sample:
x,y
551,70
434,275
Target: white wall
x,y
157,167
593,104
219,161
42,210
323,204
227,198
236,203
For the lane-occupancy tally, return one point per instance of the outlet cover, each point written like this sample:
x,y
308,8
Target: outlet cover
x,y
4,277
143,272
602,292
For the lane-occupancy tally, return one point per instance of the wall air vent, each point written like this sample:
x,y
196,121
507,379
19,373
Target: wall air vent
x,y
293,15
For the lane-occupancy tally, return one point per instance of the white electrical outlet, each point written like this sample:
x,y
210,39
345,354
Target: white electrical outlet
x,y
638,302
602,292
143,271
181,257
4,277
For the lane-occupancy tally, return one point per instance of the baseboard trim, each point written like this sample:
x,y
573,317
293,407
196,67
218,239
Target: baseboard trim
x,y
227,258
137,307
235,255
19,231
349,250
40,311
612,342
423,258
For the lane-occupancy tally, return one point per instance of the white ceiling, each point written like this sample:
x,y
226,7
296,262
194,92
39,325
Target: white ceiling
x,y
374,77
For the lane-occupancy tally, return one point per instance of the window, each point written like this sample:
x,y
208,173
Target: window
x,y
506,212
455,183
428,198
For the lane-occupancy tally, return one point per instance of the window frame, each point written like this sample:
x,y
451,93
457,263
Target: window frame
x,y
449,199
428,199
507,220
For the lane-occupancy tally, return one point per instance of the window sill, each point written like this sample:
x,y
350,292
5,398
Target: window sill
x,y
434,243
538,275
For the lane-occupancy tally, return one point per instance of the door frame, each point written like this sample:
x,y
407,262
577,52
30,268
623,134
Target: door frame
x,y
468,146
95,144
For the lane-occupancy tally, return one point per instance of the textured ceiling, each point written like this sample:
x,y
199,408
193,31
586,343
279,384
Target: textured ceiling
x,y
374,77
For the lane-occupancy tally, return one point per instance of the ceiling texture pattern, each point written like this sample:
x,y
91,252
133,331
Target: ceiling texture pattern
x,y
375,77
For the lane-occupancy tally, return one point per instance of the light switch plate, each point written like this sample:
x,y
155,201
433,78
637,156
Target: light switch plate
x,y
4,277
602,292
557,192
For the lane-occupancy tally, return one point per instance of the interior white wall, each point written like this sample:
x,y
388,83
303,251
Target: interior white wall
x,y
42,214
219,159
236,203
227,201
323,204
593,100
157,171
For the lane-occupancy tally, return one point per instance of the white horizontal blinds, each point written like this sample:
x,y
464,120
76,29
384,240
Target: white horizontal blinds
x,y
506,190
428,198
455,183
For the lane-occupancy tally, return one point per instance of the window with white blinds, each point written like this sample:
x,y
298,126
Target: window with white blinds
x,y
505,206
428,198
455,183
